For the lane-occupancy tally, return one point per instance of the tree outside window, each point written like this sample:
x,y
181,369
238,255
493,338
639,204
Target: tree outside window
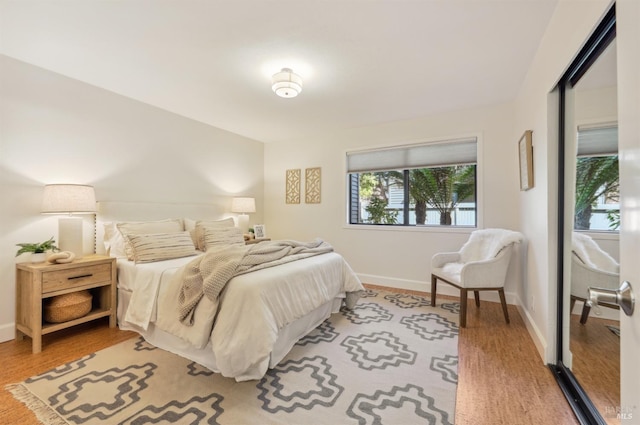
x,y
435,196
597,197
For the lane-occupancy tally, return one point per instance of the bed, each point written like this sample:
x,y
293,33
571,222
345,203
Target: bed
x,y
258,316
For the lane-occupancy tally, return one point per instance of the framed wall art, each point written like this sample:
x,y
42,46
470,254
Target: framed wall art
x,y
525,153
312,185
293,187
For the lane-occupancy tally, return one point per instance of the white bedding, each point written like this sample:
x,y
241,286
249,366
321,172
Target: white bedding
x,y
143,281
257,310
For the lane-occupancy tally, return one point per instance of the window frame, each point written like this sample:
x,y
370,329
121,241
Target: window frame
x,y
427,227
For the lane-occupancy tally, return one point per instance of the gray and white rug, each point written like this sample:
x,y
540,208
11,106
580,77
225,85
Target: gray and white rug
x,y
391,360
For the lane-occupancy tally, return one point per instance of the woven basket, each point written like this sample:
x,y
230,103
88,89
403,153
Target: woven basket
x,y
63,308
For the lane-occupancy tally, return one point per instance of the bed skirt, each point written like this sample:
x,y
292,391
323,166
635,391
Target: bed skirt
x,y
287,336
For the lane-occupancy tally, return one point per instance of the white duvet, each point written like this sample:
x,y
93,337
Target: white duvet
x,y
253,308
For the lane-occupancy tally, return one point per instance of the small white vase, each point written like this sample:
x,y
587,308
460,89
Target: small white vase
x,y
39,257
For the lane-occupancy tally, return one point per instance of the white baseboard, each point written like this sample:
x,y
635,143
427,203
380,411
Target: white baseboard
x,y
534,332
7,332
443,288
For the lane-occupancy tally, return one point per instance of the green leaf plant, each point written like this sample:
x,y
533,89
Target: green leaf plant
x,y
37,248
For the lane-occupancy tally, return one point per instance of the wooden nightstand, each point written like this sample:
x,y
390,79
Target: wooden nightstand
x,y
256,240
38,281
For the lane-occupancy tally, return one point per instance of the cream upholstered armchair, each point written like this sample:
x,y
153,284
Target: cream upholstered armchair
x,y
480,265
591,267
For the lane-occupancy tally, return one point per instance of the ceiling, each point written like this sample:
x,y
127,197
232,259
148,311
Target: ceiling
x,y
363,62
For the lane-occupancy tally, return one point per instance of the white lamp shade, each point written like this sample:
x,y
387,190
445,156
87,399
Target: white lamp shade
x,y
286,83
68,199
243,205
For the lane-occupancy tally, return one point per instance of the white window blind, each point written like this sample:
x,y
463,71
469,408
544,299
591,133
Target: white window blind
x,y
601,140
436,154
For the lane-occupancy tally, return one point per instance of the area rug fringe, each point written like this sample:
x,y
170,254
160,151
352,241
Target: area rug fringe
x,y
43,412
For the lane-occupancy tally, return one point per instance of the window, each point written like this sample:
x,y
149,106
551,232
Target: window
x,y
597,179
431,184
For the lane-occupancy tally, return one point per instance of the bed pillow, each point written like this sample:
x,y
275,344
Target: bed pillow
x,y
147,227
222,236
149,247
113,241
201,225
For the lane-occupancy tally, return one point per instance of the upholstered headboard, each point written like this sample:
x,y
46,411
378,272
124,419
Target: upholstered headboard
x,y
148,211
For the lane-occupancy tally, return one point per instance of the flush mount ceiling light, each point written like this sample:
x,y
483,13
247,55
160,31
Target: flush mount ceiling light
x,y
286,83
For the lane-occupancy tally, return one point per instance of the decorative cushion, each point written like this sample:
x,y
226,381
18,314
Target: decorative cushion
x,y
147,227
149,247
201,225
222,236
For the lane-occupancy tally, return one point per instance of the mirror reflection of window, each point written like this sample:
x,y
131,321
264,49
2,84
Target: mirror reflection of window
x,y
597,178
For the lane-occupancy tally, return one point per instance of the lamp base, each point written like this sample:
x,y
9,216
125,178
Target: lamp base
x,y
70,235
243,222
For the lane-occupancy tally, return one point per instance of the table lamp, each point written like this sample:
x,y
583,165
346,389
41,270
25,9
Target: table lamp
x,y
243,206
69,199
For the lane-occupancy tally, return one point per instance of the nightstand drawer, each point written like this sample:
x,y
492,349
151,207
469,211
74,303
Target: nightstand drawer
x,y
73,277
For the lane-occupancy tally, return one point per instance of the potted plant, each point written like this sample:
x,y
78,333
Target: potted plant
x,y
38,250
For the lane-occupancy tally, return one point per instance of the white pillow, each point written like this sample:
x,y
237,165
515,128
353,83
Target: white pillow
x,y
149,247
146,227
198,234
113,241
222,236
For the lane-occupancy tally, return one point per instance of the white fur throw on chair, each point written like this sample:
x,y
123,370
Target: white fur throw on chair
x,y
592,255
487,243
482,245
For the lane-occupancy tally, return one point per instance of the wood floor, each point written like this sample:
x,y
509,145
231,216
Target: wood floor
x,y
596,363
502,380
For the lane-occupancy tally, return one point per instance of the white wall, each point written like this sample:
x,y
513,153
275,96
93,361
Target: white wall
x,y
394,257
536,109
58,130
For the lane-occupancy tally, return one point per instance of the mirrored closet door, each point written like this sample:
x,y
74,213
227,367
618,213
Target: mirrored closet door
x,y
589,343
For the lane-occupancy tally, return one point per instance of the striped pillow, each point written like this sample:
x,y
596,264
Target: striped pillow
x,y
151,247
201,225
222,236
147,227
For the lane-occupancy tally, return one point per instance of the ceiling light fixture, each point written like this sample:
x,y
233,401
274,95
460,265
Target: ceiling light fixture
x,y
286,83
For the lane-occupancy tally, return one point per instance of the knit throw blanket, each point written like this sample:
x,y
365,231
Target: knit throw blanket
x,y
209,273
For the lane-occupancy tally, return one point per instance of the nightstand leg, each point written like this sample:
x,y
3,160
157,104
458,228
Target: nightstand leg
x,y
36,344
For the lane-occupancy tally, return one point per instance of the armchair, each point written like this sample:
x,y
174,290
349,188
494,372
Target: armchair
x,y
591,267
480,265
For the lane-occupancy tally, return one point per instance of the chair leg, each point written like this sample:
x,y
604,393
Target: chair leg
x,y
434,284
463,308
585,314
572,305
503,301
476,295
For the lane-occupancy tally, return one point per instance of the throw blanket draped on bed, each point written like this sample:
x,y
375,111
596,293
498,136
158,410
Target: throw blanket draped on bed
x,y
209,273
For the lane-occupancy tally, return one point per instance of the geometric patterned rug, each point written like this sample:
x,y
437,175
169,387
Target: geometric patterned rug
x,y
393,359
